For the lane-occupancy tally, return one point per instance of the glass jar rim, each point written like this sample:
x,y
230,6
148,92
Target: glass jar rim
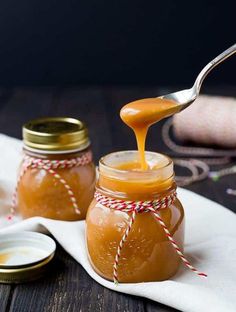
x,y
108,168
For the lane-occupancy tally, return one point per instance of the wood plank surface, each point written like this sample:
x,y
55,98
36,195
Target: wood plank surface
x,y
20,105
88,105
67,286
6,292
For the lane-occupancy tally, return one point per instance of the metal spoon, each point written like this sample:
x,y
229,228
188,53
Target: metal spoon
x,y
186,97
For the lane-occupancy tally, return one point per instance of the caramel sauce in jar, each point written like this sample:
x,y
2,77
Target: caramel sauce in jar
x,y
57,193
147,254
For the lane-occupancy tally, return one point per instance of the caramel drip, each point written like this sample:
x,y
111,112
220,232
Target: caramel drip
x,y
141,114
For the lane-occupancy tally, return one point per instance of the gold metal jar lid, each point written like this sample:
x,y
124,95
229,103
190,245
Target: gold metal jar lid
x,y
25,274
25,256
55,134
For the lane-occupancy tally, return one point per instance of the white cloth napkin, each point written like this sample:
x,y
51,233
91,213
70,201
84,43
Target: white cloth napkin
x,y
210,246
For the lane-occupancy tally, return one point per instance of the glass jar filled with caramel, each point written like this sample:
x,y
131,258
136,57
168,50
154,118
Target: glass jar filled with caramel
x,y
57,175
131,216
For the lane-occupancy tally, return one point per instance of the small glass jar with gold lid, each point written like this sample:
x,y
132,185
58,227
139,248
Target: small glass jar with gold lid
x,y
57,176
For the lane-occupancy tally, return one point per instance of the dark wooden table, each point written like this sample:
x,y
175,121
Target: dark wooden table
x,y
68,287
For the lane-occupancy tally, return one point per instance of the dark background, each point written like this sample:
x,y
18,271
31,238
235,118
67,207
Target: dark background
x,y
122,42
86,59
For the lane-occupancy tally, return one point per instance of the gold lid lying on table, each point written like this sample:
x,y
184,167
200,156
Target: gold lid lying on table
x,y
25,256
55,134
25,274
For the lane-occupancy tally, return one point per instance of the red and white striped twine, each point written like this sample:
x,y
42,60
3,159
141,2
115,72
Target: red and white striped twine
x,y
135,207
52,166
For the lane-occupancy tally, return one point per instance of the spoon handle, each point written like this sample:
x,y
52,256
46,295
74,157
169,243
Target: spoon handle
x,y
205,71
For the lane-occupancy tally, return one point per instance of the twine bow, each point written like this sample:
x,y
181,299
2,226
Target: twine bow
x,y
135,207
51,167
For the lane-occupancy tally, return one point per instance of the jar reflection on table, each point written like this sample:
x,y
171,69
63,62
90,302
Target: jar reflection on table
x,y
57,193
147,254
